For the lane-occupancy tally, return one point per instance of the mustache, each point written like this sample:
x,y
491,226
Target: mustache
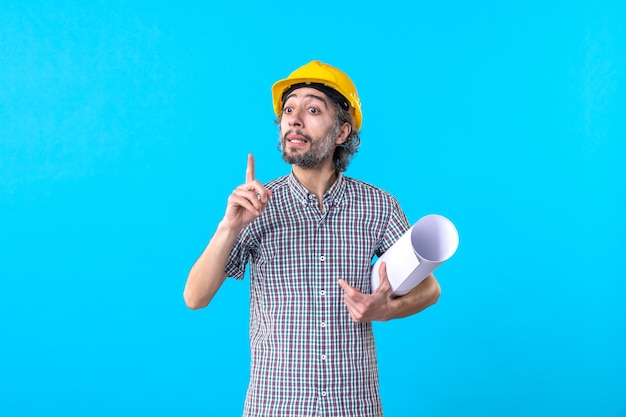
x,y
297,132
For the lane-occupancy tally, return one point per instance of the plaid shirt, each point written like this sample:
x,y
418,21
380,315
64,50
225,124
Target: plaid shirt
x,y
308,357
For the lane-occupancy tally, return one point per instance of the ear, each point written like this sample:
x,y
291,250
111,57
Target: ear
x,y
345,131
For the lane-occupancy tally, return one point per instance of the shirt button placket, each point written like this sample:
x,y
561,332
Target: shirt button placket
x,y
323,268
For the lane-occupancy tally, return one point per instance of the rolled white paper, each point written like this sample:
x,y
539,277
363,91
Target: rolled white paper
x,y
431,241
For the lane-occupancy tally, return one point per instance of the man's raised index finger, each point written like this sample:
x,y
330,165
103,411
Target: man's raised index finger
x,y
250,169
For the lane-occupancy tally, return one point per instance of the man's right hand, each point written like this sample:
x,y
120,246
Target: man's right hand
x,y
247,201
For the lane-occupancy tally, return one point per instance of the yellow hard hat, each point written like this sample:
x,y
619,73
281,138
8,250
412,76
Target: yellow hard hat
x,y
316,72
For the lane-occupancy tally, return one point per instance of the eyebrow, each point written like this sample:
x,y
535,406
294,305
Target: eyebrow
x,y
320,98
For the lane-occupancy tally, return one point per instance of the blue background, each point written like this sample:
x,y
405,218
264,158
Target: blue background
x,y
125,125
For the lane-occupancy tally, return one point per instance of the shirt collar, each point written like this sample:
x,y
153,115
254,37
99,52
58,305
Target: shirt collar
x,y
332,196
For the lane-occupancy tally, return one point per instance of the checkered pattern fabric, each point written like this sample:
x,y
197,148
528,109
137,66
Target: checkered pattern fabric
x,y
308,357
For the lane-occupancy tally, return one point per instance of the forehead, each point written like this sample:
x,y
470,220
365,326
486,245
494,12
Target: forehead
x,y
307,92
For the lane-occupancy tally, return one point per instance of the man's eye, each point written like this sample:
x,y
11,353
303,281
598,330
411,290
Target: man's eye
x,y
287,110
314,110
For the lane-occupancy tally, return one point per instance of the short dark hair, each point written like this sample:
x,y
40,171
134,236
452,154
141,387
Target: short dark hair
x,y
346,150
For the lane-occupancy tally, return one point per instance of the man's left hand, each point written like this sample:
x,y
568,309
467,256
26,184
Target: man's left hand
x,y
369,307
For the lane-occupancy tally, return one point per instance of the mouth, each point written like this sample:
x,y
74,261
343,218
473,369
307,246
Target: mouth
x,y
296,139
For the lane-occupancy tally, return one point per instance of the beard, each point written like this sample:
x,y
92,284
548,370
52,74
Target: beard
x,y
320,149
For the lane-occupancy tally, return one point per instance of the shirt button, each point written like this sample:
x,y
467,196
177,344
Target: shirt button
x,y
323,324
323,357
322,258
324,393
322,292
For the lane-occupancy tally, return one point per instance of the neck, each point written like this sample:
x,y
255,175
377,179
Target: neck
x,y
317,181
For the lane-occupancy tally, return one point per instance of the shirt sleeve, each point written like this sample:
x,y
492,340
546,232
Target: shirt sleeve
x,y
239,256
398,225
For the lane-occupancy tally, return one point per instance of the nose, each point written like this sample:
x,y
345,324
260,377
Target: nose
x,y
294,119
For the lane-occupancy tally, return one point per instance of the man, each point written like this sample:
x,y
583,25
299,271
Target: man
x,y
310,238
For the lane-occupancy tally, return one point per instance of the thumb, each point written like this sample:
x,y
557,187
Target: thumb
x,y
385,285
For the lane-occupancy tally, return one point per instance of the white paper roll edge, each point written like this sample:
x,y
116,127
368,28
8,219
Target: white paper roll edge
x,y
431,241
